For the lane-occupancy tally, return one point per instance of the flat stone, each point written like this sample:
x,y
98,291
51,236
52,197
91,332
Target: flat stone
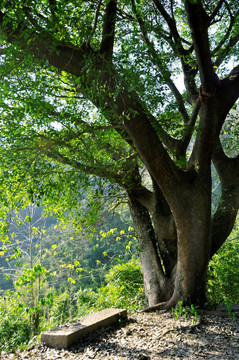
x,y
65,336
223,307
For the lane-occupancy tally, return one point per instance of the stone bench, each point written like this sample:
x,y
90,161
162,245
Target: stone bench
x,y
65,336
224,308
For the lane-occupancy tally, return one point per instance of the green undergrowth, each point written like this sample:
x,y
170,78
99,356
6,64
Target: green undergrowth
x,y
223,283
123,288
14,324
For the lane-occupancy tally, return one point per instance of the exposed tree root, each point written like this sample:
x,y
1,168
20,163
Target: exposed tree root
x,y
160,306
166,305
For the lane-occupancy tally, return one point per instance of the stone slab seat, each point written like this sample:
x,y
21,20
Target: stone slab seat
x,y
65,336
224,307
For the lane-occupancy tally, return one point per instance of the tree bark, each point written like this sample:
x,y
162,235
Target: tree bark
x,y
158,287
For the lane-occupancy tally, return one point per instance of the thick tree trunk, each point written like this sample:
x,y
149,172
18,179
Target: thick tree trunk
x,y
158,287
193,221
192,262
192,215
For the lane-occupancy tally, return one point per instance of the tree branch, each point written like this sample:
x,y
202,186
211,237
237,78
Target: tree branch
x,y
219,46
170,143
189,128
92,170
151,150
199,21
227,49
95,23
180,51
225,216
165,74
228,94
216,10
64,57
107,42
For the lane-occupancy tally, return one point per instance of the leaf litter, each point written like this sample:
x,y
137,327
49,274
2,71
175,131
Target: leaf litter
x,y
150,336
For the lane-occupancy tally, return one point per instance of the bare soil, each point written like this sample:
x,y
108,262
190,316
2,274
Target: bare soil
x,y
151,336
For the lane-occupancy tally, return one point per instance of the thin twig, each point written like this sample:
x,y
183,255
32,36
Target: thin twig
x,y
95,23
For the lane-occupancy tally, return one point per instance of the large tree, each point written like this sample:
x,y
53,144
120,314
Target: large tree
x,y
111,102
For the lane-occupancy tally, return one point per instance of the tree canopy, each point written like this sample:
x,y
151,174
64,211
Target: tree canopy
x,y
130,95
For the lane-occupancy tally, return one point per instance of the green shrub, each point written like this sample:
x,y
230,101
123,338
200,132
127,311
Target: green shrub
x,y
124,287
61,310
15,329
14,333
86,301
223,280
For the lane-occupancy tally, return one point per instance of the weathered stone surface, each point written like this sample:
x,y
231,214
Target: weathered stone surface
x,y
64,337
224,307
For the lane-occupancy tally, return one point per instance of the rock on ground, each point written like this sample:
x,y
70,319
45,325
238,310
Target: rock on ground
x,y
151,336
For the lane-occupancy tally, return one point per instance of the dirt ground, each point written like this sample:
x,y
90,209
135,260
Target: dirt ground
x,y
151,336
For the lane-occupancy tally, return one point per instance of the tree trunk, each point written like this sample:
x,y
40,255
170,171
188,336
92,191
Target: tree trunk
x,y
187,280
193,221
158,288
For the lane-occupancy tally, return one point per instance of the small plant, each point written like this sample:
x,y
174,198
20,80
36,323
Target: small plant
x,y
181,311
229,310
194,312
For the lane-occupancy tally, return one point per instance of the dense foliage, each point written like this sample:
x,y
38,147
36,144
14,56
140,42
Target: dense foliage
x,y
223,272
